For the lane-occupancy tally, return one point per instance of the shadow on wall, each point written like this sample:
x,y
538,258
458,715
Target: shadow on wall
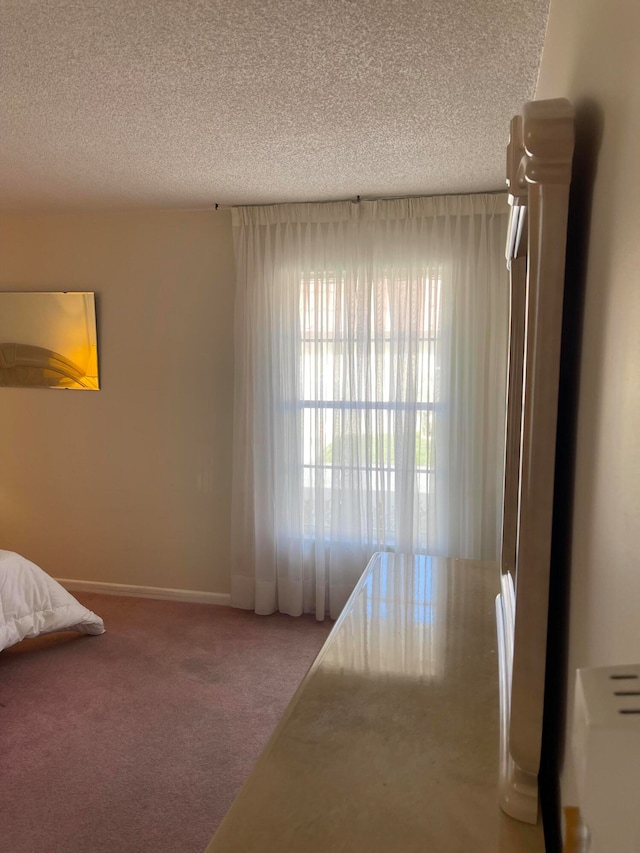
x,y
589,131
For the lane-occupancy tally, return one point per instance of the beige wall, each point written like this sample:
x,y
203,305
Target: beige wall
x,y
130,484
591,56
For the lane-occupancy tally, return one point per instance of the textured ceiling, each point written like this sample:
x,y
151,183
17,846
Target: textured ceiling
x,y
192,102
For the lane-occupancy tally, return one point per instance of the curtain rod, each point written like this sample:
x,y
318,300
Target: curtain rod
x,y
355,200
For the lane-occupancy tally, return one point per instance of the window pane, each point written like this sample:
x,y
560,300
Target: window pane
x,y
369,371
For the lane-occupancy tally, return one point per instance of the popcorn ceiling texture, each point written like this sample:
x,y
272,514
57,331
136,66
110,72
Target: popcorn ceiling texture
x,y
191,102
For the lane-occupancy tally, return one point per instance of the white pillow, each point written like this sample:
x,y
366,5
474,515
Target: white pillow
x,y
33,603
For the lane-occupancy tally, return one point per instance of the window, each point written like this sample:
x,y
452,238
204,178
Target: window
x,y
369,395
369,375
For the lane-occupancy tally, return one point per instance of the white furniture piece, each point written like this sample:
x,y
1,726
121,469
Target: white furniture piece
x,y
538,175
606,755
390,745
402,737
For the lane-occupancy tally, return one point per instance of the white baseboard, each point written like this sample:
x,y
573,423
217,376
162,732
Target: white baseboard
x,y
192,595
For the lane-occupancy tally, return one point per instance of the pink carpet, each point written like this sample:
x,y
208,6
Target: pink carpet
x,y
138,740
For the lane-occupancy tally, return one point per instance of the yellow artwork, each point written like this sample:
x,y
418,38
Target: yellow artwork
x,y
48,340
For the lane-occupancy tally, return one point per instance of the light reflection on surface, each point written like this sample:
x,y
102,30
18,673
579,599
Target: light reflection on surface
x,y
396,624
390,752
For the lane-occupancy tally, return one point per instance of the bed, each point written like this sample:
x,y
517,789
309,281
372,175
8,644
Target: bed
x,y
33,603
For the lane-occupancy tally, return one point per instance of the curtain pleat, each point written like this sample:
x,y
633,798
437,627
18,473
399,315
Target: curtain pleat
x,y
370,364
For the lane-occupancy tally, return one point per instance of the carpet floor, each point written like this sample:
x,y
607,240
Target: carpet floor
x,y
138,740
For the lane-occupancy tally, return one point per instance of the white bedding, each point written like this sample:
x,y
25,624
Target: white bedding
x,y
33,603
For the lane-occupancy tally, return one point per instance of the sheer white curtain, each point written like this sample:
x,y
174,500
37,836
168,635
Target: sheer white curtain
x,y
370,364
